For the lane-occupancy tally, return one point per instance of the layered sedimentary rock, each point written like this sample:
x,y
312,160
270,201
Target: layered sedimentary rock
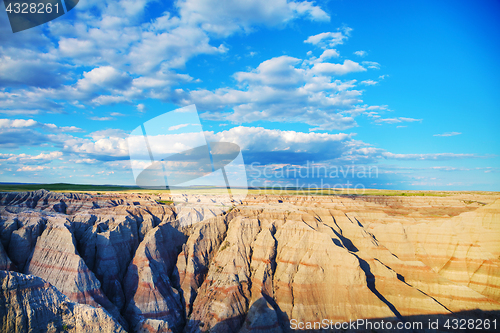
x,y
254,268
5,262
56,260
149,278
30,304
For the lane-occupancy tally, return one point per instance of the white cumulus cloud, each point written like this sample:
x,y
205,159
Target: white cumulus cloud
x,y
448,134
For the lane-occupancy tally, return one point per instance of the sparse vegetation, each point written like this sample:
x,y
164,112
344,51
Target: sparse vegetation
x,y
165,202
469,202
224,246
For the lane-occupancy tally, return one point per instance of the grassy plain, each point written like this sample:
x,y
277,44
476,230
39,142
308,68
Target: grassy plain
x,y
98,189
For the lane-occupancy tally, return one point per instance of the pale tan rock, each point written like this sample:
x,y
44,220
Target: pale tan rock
x,y
270,260
152,303
30,304
196,255
222,299
56,260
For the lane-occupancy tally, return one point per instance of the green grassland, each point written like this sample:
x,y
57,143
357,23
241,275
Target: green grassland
x,y
63,187
165,202
99,189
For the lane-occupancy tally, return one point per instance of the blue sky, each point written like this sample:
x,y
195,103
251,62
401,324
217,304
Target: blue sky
x,y
410,88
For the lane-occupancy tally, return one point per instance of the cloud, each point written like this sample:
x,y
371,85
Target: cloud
x,y
275,146
141,107
348,66
371,64
439,156
226,17
285,89
278,146
328,39
448,168
109,99
95,83
41,158
408,119
361,53
396,120
176,127
30,123
27,67
278,105
127,51
259,144
327,54
103,77
17,123
102,145
11,138
448,134
278,71
109,149
88,161
101,118
172,49
75,48
110,132
28,168
24,102
368,82
103,148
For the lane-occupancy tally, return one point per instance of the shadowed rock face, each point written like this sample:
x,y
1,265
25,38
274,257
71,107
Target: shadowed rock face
x,y
125,262
30,304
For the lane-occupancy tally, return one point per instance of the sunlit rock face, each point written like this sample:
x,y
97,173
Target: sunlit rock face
x,y
126,262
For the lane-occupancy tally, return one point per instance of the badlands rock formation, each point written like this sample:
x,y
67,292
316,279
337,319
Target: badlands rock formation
x,y
125,262
30,304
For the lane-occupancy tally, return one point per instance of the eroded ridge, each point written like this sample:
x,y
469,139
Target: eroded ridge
x,y
125,262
